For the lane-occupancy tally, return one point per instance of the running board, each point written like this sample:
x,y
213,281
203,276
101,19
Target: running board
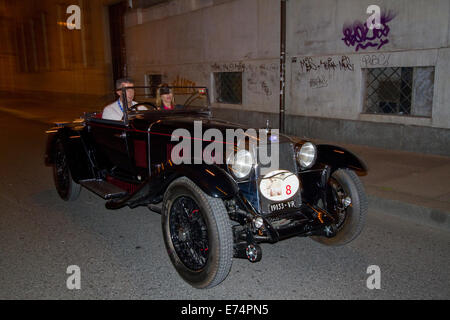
x,y
104,189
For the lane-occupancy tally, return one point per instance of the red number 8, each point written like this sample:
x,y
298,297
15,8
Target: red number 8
x,y
288,190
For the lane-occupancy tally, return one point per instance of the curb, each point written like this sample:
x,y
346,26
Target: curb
x,y
424,215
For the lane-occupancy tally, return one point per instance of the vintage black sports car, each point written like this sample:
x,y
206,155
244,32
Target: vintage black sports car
x,y
216,208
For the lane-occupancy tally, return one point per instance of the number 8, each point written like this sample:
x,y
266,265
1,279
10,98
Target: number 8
x,y
288,190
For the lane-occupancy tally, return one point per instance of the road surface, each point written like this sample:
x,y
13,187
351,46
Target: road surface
x,y
121,254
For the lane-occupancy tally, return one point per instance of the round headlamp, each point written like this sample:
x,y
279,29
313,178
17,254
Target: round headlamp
x,y
306,155
240,164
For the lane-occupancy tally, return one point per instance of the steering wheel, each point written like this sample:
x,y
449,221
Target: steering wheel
x,y
150,104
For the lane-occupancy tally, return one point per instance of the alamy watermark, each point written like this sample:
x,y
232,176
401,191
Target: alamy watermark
x,y
374,21
74,280
73,22
374,280
262,144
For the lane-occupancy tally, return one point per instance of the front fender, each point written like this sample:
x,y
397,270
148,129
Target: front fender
x,y
340,158
213,180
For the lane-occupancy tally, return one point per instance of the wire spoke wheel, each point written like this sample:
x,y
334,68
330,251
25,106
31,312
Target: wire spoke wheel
x,y
347,202
197,234
339,202
189,233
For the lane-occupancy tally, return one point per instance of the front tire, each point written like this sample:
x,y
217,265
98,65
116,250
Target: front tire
x,y
197,234
347,202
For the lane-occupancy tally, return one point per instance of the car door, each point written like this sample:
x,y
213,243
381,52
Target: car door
x,y
112,149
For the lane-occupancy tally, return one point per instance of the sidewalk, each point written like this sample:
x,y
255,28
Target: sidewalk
x,y
49,108
410,185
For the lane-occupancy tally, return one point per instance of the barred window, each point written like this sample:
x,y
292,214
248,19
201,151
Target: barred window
x,y
228,87
400,91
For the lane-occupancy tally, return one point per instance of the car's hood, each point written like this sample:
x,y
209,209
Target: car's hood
x,y
197,125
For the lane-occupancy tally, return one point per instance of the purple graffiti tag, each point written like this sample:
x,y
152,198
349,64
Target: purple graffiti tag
x,y
358,35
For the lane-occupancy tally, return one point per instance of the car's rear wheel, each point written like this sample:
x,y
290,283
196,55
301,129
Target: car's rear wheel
x,y
67,189
347,202
197,234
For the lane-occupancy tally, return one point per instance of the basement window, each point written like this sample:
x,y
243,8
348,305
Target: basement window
x,y
228,87
399,91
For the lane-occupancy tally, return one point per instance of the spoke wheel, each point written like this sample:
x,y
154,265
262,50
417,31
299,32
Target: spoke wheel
x,y
197,234
339,202
188,232
347,202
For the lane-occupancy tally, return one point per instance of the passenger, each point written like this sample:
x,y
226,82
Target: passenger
x,y
115,110
164,98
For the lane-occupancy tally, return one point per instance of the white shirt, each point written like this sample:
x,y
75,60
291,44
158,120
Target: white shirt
x,y
114,112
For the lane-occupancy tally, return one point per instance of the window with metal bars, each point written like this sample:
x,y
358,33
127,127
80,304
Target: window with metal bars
x,y
399,91
228,87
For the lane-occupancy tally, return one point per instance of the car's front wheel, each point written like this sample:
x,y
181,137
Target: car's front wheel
x,y
67,189
347,202
197,234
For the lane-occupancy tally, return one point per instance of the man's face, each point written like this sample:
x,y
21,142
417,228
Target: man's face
x,y
130,92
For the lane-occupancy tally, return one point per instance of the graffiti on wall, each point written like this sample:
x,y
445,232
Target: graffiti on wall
x,y
182,82
318,82
308,64
320,72
375,60
360,36
262,78
228,67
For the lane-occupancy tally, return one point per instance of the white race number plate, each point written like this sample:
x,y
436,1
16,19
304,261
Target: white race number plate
x,y
279,185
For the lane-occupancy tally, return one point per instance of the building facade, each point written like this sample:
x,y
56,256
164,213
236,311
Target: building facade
x,y
40,53
344,82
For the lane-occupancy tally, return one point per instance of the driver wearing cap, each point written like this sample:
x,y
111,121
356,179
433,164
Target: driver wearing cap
x,y
115,110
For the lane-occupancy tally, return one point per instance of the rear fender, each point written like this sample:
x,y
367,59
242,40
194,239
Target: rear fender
x,y
52,136
338,157
75,150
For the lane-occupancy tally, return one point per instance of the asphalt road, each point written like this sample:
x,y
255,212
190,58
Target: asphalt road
x,y
121,254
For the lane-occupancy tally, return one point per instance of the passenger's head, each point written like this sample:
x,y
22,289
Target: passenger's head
x,y
125,83
164,97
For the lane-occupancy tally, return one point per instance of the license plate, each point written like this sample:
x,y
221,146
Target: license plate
x,y
282,206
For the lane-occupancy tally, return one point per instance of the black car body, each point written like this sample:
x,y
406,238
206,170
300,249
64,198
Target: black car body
x,y
210,213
